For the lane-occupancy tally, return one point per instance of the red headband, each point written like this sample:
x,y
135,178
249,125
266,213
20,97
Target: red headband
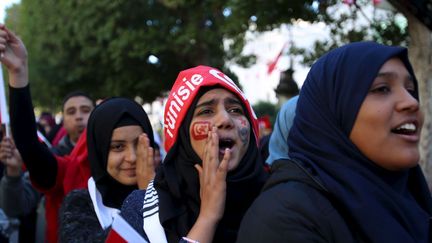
x,y
183,93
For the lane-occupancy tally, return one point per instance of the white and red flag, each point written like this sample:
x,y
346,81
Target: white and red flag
x,y
121,232
272,65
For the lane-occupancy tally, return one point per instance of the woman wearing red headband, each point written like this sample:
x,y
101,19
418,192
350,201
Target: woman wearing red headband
x,y
212,171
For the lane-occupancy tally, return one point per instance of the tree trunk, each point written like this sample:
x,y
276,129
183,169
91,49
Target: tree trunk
x,y
420,53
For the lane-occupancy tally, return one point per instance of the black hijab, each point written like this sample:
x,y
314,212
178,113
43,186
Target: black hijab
x,y
177,184
110,114
384,206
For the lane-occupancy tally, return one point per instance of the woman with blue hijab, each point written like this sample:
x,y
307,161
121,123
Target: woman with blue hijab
x,y
278,147
353,175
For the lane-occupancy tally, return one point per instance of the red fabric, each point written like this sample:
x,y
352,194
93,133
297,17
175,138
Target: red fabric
x,y
59,135
184,91
78,171
73,172
349,2
264,121
114,237
121,231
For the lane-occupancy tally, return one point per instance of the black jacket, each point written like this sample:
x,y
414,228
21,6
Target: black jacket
x,y
294,207
78,220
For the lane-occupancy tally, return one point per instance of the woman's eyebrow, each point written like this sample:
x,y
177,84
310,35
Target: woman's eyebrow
x,y
206,103
230,100
392,75
386,75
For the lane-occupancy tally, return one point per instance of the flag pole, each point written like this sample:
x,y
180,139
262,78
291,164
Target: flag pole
x,y
3,105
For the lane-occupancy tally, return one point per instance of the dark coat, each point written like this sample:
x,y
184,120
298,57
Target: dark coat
x,y
64,147
78,220
302,210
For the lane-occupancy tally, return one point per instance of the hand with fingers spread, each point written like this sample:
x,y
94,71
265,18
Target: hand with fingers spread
x,y
10,157
212,175
145,165
13,55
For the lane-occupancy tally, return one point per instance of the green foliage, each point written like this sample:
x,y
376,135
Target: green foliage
x,y
105,47
262,108
352,26
12,14
96,46
267,15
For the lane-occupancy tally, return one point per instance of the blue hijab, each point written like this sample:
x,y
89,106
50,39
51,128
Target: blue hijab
x,y
384,206
278,147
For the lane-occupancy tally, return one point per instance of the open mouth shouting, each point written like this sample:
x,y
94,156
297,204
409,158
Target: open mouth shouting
x,y
225,143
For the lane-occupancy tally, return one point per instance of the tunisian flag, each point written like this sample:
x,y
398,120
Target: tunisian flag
x,y
272,64
121,232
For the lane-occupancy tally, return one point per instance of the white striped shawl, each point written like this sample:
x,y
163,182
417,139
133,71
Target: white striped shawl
x,y
151,224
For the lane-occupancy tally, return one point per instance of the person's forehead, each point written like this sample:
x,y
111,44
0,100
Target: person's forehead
x,y
77,101
218,93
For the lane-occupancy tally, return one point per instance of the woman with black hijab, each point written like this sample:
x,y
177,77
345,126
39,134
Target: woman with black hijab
x,y
115,159
212,171
353,174
116,132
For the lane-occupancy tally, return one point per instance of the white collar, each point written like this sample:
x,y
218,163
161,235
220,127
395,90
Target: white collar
x,y
104,214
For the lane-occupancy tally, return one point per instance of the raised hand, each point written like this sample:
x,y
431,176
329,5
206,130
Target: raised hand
x,y
10,157
13,55
212,175
145,165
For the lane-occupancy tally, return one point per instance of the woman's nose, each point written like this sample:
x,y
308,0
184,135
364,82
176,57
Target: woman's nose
x,y
407,102
131,155
224,120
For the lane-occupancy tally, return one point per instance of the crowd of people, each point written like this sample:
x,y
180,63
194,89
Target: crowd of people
x,y
341,164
